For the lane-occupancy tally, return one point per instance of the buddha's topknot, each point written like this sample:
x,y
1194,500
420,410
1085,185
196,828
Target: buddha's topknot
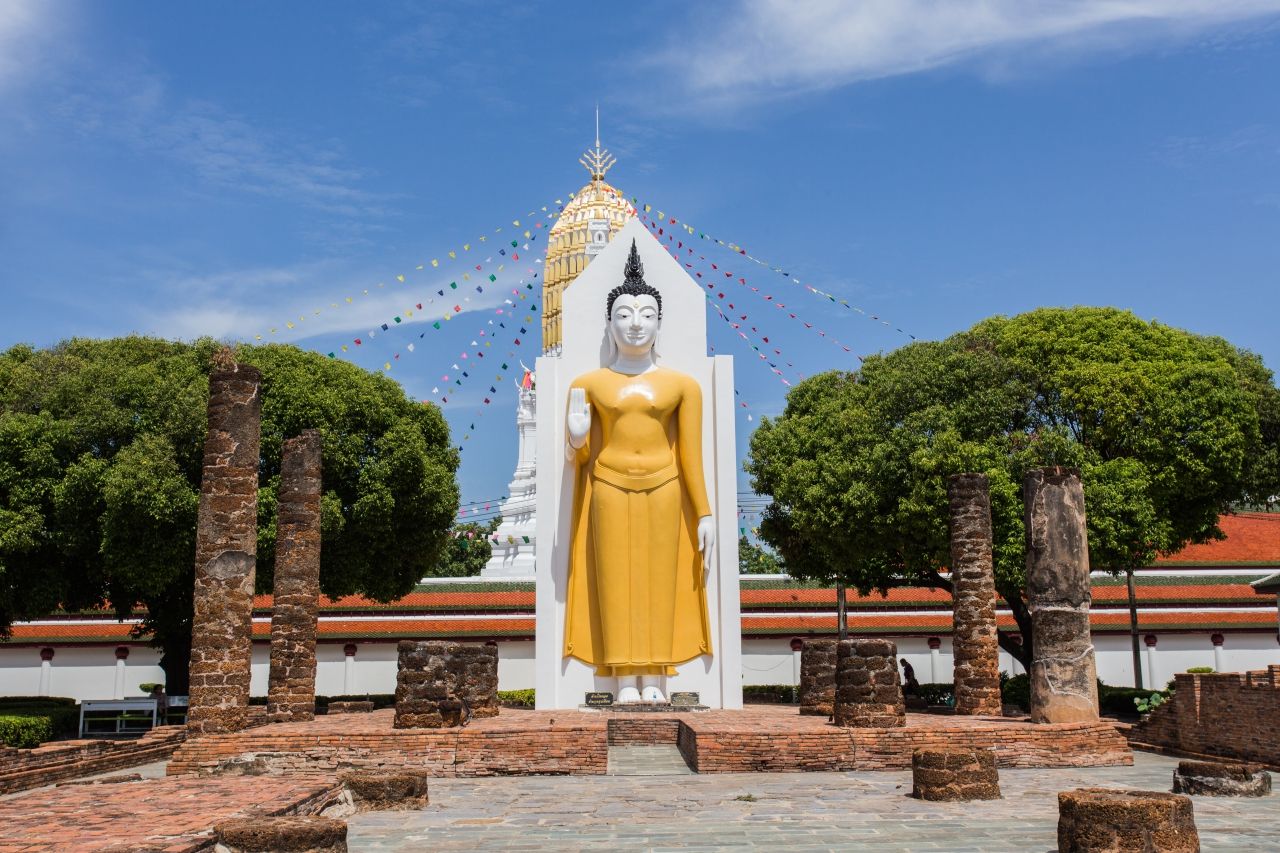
x,y
633,284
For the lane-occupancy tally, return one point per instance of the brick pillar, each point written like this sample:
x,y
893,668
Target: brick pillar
x,y
292,683
868,692
1064,684
226,548
439,683
818,678
973,639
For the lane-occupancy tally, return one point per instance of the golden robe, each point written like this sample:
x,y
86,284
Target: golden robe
x,y
637,600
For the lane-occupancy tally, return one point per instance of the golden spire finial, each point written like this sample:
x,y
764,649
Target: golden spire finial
x,y
597,161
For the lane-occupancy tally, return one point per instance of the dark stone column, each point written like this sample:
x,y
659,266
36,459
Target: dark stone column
x,y
1100,819
954,774
440,684
868,692
973,639
226,548
1064,684
818,678
296,596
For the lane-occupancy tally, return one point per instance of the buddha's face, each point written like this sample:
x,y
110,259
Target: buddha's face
x,y
634,323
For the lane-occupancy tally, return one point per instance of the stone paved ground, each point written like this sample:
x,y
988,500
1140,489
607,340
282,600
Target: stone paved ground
x,y
791,811
173,813
659,759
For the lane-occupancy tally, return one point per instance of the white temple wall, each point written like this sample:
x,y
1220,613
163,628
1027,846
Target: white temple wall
x,y
80,672
88,672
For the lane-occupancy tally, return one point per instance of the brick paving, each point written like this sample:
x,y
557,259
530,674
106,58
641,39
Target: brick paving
x,y
173,814
798,813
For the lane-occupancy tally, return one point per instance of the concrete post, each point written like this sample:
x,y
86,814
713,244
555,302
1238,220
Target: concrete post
x,y
935,660
291,691
226,549
974,644
797,649
349,670
1064,685
1219,659
122,655
1153,677
46,671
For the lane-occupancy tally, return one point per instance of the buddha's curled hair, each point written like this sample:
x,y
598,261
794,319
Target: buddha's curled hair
x,y
633,284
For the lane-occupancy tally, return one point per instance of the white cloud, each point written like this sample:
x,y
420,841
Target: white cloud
x,y
774,47
220,148
241,304
25,27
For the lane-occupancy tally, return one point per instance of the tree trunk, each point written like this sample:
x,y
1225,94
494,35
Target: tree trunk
x,y
175,660
1133,630
1021,651
842,613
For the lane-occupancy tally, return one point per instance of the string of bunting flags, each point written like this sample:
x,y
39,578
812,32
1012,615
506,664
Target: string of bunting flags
x,y
491,278
734,247
457,252
735,326
740,281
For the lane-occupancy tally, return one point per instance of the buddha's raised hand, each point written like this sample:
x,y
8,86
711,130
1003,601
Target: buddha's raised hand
x,y
579,419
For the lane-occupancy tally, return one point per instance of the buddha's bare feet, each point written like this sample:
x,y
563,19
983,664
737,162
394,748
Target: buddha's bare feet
x,y
653,694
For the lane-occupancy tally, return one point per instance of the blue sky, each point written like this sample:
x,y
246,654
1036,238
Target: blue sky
x,y
189,169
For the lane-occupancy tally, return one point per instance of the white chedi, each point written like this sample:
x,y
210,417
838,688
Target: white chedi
x,y
514,549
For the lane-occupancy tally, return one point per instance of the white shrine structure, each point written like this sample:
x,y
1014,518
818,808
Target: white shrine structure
x,y
563,682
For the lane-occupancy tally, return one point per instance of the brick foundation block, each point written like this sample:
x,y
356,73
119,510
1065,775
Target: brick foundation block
x,y
869,716
387,790
945,775
358,707
1099,820
442,714
308,834
1220,779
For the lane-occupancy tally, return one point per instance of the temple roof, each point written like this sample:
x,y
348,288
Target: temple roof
x,y
1200,588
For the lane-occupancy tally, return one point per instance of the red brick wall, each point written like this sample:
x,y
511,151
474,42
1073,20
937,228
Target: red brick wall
x,y
643,730
56,761
1230,714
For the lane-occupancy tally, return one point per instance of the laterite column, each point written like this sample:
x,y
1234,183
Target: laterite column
x,y
1064,684
818,678
974,643
296,595
226,548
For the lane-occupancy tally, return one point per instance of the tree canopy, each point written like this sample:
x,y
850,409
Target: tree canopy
x,y
468,551
1168,428
101,445
754,559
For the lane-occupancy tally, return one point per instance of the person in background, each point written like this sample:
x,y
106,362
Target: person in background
x,y
162,703
909,684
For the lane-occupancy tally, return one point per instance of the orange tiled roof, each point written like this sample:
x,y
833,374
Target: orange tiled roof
x,y
1252,537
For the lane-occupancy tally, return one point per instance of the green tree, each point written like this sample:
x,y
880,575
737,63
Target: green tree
x,y
1168,429
756,560
468,551
101,446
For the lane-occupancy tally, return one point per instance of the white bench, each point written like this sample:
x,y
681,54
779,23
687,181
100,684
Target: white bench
x,y
128,715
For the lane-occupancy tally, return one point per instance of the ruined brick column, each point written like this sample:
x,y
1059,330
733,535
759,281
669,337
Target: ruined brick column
x,y
1064,685
818,678
973,638
226,548
292,682
440,683
868,691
